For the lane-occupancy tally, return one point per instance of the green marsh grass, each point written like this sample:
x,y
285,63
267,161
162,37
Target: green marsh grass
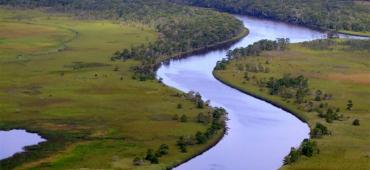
x,y
341,72
56,78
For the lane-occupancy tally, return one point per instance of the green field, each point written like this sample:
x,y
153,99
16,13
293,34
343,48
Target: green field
x,y
340,71
57,79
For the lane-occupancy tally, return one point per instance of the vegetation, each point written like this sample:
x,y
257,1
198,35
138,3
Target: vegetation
x,y
182,29
324,82
349,15
57,79
218,116
356,122
308,148
319,131
256,48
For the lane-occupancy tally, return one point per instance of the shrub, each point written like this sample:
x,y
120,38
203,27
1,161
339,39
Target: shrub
x,y
319,131
200,138
182,143
349,105
293,156
183,149
162,150
329,116
150,156
184,118
179,106
308,148
356,122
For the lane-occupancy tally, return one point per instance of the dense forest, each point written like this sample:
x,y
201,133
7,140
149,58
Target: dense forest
x,y
181,29
347,15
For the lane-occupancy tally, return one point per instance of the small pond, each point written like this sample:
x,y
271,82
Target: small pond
x,y
14,141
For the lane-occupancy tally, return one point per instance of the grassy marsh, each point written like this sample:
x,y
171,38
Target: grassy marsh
x,y
339,71
56,78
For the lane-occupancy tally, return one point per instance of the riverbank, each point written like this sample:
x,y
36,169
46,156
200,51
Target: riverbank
x,y
265,98
224,44
345,147
363,34
317,15
77,97
213,142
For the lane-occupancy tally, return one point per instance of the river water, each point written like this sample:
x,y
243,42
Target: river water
x,y
260,134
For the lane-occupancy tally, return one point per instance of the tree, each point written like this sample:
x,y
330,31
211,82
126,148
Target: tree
x,y
300,94
183,149
198,100
200,138
349,105
162,150
319,131
308,148
181,143
293,156
150,156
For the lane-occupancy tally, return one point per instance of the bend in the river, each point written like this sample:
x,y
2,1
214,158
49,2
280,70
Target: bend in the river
x,y
260,134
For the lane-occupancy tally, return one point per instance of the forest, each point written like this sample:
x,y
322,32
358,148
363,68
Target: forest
x,y
347,15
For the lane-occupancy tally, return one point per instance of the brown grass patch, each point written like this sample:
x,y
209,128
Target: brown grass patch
x,y
358,78
58,127
17,30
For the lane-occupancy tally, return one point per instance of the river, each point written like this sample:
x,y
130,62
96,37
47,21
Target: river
x,y
260,134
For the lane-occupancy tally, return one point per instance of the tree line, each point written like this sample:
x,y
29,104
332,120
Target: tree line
x,y
348,15
180,28
256,48
218,118
214,119
330,44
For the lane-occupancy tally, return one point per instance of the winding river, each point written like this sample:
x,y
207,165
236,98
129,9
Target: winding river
x,y
260,134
